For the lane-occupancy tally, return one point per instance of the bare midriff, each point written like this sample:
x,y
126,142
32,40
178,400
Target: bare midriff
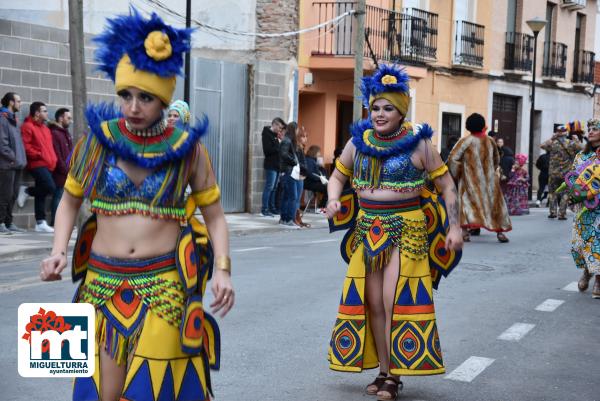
x,y
387,195
134,236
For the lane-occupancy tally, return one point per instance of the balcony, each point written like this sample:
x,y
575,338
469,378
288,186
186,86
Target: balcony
x,y
583,68
409,38
555,61
573,5
518,52
468,45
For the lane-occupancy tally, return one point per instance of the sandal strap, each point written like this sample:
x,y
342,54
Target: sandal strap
x,y
391,389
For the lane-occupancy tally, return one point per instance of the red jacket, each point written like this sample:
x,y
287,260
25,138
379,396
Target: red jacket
x,y
38,145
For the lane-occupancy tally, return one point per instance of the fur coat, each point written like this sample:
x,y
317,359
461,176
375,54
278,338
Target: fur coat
x,y
473,163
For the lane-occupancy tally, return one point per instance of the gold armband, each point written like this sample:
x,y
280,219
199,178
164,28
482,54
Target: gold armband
x,y
207,196
438,172
343,169
73,187
223,263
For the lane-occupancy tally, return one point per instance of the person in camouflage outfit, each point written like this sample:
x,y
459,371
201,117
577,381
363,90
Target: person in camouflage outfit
x,y
562,151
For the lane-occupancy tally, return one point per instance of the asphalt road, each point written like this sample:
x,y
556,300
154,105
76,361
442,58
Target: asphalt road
x,y
497,346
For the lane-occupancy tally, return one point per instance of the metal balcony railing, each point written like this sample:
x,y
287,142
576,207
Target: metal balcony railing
x,y
555,60
518,51
573,4
468,45
583,67
410,38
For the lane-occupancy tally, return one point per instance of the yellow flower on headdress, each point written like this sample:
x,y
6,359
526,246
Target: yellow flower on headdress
x,y
158,45
389,80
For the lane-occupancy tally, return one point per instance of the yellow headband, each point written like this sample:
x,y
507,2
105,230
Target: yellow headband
x,y
400,100
127,75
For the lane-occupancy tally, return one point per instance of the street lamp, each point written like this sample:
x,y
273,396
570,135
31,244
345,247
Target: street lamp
x,y
536,25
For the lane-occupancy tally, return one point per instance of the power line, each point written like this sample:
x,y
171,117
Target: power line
x,y
332,21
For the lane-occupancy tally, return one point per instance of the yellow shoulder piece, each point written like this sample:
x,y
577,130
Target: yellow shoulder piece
x,y
438,172
73,187
343,169
207,196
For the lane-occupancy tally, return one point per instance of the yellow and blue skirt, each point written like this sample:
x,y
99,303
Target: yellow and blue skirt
x,y
378,228
142,309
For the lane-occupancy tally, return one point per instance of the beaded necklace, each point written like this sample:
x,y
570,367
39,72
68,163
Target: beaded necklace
x,y
155,130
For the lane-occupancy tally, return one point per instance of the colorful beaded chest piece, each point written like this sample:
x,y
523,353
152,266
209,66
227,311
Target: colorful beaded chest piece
x,y
169,152
385,162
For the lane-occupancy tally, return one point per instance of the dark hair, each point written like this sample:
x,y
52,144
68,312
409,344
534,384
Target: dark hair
x,y
475,123
337,152
492,134
313,150
290,132
278,120
59,113
7,98
35,107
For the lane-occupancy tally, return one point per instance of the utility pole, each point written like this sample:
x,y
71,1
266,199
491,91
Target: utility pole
x,y
188,24
76,47
359,47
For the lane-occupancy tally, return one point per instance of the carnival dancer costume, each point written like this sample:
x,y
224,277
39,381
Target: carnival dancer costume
x,y
416,226
583,186
473,163
150,315
516,188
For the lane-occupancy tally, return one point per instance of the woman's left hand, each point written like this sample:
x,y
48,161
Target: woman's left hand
x,y
454,239
222,290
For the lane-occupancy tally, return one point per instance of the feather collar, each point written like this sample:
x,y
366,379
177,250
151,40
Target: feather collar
x,y
365,141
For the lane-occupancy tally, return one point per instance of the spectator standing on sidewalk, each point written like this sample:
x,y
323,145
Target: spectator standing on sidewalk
x,y
41,162
12,160
271,137
562,151
302,138
289,165
542,163
63,145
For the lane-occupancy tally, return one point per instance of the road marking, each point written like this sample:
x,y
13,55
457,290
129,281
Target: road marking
x,y
516,332
252,249
23,283
549,305
571,287
470,369
323,241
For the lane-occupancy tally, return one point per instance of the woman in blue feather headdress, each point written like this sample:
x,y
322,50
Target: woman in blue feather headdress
x,y
397,245
143,258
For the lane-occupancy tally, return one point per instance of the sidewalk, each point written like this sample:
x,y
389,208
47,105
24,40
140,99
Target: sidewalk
x,y
35,245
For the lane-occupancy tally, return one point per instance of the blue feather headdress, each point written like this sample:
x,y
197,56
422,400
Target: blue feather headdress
x,y
126,34
389,81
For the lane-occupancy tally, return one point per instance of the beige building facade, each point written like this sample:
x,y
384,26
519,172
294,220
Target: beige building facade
x,y
564,73
463,56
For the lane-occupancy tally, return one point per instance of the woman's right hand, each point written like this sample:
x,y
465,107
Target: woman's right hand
x,y
52,266
333,207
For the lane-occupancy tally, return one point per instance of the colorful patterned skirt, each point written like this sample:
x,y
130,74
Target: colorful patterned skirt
x,y
585,241
140,306
414,347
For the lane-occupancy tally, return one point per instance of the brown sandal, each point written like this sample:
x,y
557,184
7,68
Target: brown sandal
x,y
584,281
391,386
377,383
466,237
502,238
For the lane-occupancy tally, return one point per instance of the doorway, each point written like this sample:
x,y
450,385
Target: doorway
x,y
505,111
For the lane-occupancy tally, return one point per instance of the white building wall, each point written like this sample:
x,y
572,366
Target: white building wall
x,y
239,15
557,107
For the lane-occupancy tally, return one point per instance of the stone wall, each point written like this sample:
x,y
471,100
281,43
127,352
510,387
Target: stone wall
x,y
35,63
269,87
274,16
